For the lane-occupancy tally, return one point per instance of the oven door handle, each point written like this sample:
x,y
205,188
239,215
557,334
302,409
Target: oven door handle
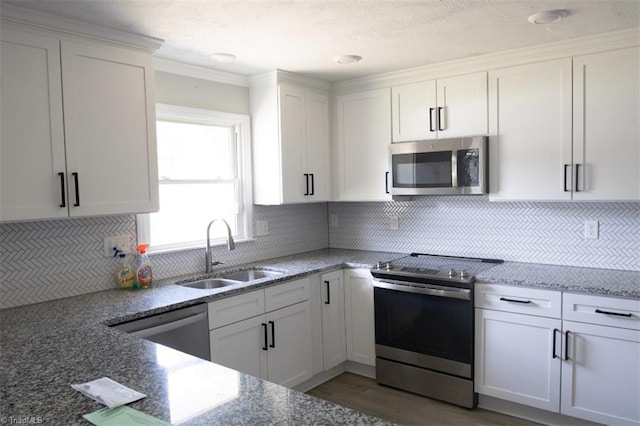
x,y
452,293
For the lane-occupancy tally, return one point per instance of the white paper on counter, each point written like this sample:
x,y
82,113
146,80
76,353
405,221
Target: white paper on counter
x,y
108,392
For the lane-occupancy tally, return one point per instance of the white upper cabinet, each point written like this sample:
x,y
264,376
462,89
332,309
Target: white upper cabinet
x,y
566,129
78,128
363,136
606,122
109,116
444,108
530,128
32,160
290,142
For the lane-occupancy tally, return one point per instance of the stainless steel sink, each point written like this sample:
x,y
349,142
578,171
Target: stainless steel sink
x,y
231,278
210,283
251,275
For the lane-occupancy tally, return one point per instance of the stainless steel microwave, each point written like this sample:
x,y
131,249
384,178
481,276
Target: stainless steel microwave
x,y
439,167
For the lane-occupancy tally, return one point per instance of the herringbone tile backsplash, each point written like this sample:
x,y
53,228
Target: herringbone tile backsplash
x,y
550,233
47,260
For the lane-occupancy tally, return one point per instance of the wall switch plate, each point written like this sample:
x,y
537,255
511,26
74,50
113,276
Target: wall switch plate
x,y
393,222
591,229
262,228
120,241
333,220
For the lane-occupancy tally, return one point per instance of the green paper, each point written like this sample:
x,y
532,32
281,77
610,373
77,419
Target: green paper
x,y
122,416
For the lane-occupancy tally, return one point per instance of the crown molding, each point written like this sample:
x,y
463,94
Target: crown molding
x,y
197,71
281,76
549,51
71,27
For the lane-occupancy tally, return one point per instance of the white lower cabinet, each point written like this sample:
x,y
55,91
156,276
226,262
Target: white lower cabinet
x,y
514,358
585,365
275,345
359,315
601,366
334,348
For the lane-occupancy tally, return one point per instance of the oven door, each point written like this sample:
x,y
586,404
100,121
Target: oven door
x,y
429,327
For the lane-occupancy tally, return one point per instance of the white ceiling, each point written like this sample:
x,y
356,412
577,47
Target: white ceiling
x,y
304,36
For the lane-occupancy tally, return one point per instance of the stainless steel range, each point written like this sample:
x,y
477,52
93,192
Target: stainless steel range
x,y
424,325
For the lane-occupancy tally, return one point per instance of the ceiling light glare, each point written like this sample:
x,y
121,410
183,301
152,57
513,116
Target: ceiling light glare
x,y
225,58
347,59
548,16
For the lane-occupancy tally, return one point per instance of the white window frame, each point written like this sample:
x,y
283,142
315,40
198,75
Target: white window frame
x,y
244,208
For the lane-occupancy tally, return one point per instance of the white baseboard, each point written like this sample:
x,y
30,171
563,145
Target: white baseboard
x,y
361,369
529,413
320,378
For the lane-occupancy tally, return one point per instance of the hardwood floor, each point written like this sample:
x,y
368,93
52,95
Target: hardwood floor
x,y
365,395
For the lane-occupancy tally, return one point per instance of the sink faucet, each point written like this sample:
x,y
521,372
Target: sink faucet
x,y
231,245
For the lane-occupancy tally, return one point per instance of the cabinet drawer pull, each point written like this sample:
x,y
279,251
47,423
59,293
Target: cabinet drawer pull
x,y
577,175
526,302
313,190
273,334
264,329
618,314
75,181
386,182
566,345
306,179
328,302
440,118
565,178
553,350
431,120
63,198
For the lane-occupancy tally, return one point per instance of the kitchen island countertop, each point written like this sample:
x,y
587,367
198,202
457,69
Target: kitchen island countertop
x,y
46,347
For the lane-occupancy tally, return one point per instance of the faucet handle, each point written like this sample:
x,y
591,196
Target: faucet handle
x,y
216,262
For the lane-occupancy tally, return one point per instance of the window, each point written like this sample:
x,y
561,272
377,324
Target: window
x,y
204,169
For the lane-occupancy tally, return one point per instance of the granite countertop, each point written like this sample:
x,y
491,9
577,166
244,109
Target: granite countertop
x,y
45,347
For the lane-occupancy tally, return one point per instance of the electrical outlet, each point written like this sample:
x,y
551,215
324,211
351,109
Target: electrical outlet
x,y
333,220
262,228
119,241
393,222
591,229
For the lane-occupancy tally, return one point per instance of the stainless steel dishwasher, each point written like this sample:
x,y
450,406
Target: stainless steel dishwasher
x,y
185,329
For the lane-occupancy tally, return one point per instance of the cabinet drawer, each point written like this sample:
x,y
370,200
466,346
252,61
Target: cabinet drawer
x,y
601,310
286,294
545,303
236,308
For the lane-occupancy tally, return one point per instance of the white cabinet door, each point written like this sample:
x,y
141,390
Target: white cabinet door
x,y
606,122
359,313
530,128
109,121
601,378
289,355
462,106
241,346
438,109
334,348
517,358
32,162
317,146
292,135
290,142
362,146
414,111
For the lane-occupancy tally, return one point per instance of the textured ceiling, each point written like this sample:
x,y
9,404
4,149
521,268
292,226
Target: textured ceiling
x,y
304,36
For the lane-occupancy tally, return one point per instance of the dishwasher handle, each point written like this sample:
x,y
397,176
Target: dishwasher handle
x,y
146,332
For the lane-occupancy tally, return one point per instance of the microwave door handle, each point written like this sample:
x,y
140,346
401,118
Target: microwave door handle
x,y
454,168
